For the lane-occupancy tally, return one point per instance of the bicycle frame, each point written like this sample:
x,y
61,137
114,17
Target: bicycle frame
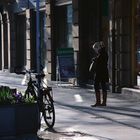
x,y
43,96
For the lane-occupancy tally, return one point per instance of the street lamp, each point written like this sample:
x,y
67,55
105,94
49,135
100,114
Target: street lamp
x,y
38,36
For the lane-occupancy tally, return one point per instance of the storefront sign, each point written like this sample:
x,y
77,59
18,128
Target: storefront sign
x,y
105,7
66,63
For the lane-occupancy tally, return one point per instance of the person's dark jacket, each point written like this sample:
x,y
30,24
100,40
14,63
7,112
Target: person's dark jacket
x,y
101,70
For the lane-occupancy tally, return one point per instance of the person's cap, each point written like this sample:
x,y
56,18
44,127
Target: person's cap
x,y
102,44
96,46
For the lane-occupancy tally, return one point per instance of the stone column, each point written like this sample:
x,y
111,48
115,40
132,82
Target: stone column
x,y
75,35
2,43
9,42
48,60
28,39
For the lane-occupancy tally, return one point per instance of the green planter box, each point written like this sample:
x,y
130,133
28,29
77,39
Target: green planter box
x,y
27,118
7,120
19,119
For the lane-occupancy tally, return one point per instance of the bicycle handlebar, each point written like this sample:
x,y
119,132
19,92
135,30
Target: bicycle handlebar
x,y
38,76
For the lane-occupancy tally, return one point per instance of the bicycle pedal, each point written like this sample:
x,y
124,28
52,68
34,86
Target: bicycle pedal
x,y
48,117
49,88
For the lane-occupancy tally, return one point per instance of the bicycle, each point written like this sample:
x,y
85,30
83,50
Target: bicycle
x,y
43,96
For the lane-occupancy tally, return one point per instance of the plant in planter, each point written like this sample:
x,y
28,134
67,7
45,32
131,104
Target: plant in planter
x,y
6,96
18,115
12,96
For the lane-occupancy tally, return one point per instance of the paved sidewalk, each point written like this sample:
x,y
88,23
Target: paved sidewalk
x,y
14,80
118,121
76,120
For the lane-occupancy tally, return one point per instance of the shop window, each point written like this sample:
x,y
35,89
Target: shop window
x,y
69,25
64,26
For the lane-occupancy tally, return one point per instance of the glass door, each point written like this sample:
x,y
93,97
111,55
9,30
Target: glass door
x,y
120,43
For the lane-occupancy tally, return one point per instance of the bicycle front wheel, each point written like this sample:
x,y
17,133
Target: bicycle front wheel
x,y
48,110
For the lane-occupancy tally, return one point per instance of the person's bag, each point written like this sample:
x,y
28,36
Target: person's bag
x,y
92,65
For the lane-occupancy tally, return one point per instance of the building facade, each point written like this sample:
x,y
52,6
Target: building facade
x,y
18,35
108,20
72,24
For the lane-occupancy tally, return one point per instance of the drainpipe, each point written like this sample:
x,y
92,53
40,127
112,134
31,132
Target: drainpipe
x,y
38,59
113,49
99,15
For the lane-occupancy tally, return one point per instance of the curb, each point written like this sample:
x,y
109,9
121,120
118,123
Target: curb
x,y
131,93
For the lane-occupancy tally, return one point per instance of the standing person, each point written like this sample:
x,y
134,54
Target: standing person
x,y
101,74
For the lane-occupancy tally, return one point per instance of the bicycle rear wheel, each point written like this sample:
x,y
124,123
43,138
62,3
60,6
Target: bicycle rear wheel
x,y
48,110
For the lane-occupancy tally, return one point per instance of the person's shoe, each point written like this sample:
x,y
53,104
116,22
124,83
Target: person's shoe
x,y
103,104
97,104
